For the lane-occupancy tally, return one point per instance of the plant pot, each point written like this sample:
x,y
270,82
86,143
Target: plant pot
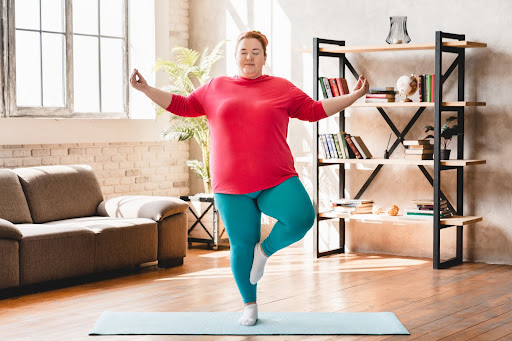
x,y
445,154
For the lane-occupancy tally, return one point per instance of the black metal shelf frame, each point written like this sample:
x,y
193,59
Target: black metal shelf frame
x,y
435,179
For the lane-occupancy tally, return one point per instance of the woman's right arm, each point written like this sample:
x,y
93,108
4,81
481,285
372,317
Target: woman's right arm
x,y
160,97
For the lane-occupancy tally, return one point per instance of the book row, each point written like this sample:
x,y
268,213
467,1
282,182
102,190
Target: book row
x,y
377,95
425,208
342,146
419,150
333,87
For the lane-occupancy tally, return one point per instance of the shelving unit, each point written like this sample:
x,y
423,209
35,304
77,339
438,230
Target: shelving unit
x,y
456,45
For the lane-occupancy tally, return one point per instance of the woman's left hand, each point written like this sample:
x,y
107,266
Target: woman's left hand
x,y
362,86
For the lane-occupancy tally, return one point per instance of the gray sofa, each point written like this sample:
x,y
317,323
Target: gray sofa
x,y
55,224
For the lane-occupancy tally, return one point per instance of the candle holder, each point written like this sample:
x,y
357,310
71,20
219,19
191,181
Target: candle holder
x,y
398,31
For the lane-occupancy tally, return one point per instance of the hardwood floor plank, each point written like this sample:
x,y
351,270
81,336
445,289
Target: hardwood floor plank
x,y
463,302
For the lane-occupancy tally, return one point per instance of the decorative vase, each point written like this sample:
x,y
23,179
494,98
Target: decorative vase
x,y
445,154
398,31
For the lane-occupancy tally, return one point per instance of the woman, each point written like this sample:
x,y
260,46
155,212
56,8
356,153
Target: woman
x,y
251,164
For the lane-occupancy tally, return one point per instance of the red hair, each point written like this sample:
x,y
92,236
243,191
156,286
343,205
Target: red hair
x,y
256,35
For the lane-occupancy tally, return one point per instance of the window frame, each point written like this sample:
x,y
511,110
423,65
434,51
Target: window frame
x,y
11,109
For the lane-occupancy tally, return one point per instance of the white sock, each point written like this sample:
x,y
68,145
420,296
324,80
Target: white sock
x,y
258,264
250,315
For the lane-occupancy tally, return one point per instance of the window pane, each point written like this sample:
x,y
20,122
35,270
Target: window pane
x,y
111,17
86,74
85,16
53,70
53,13
112,75
27,14
28,69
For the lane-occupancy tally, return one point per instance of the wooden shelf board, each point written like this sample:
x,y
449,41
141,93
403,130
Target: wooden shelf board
x,y
455,220
418,104
399,47
376,161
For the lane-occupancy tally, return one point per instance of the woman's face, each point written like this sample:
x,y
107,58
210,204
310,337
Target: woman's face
x,y
250,58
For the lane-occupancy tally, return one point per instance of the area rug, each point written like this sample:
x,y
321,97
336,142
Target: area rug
x,y
226,323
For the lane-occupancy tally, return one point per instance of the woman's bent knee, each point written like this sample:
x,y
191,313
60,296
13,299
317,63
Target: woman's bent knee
x,y
302,220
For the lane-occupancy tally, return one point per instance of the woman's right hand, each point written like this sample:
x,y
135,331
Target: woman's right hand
x,y
140,83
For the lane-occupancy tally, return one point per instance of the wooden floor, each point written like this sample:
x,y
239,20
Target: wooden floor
x,y
468,302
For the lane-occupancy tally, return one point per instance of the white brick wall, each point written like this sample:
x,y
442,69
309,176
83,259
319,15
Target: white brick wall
x,y
145,168
178,23
126,168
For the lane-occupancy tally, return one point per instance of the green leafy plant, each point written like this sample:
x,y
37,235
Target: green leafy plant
x,y
447,131
181,74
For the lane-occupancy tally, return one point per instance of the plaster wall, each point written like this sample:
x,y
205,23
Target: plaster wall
x,y
290,27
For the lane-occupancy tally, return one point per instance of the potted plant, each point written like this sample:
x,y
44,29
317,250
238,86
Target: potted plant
x,y
447,133
181,73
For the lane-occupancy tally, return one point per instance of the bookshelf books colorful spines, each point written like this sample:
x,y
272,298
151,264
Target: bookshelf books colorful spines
x,y
342,146
333,87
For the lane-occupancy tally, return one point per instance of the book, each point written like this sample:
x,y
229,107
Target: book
x,y
379,100
327,147
334,87
420,157
428,201
352,146
332,147
419,151
338,147
428,86
375,89
322,86
363,150
420,146
420,88
343,201
327,86
344,149
380,96
416,142
322,147
432,91
342,86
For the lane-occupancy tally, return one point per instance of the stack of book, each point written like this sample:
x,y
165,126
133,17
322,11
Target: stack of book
x,y
333,87
419,150
352,206
425,208
379,95
426,88
342,146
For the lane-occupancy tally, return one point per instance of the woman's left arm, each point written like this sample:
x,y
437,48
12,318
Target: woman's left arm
x,y
336,104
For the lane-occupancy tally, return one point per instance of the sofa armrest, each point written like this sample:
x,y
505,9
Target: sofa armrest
x,y
9,231
141,206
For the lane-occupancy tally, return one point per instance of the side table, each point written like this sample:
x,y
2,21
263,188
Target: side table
x,y
214,238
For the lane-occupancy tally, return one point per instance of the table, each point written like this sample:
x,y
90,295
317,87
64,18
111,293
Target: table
x,y
214,238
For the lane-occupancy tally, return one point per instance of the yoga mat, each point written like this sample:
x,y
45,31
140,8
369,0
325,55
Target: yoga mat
x,y
226,323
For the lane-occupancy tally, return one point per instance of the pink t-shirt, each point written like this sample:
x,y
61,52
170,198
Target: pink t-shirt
x,y
248,123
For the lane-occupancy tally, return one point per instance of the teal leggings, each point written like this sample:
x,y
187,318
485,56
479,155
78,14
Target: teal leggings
x,y
287,202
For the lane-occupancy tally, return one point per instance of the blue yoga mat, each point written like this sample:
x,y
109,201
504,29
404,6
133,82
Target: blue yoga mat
x,y
226,323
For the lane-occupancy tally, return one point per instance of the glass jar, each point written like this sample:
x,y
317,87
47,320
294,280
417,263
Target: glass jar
x,y
398,31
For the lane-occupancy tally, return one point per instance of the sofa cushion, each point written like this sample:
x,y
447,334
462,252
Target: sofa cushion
x,y
9,263
60,192
142,206
9,231
54,252
119,242
13,205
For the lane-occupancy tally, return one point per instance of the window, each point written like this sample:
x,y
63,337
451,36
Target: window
x,y
65,58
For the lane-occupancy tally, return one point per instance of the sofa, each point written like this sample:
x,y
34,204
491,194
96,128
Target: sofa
x,y
54,224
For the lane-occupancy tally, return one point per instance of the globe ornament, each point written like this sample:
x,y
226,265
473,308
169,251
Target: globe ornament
x,y
407,86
